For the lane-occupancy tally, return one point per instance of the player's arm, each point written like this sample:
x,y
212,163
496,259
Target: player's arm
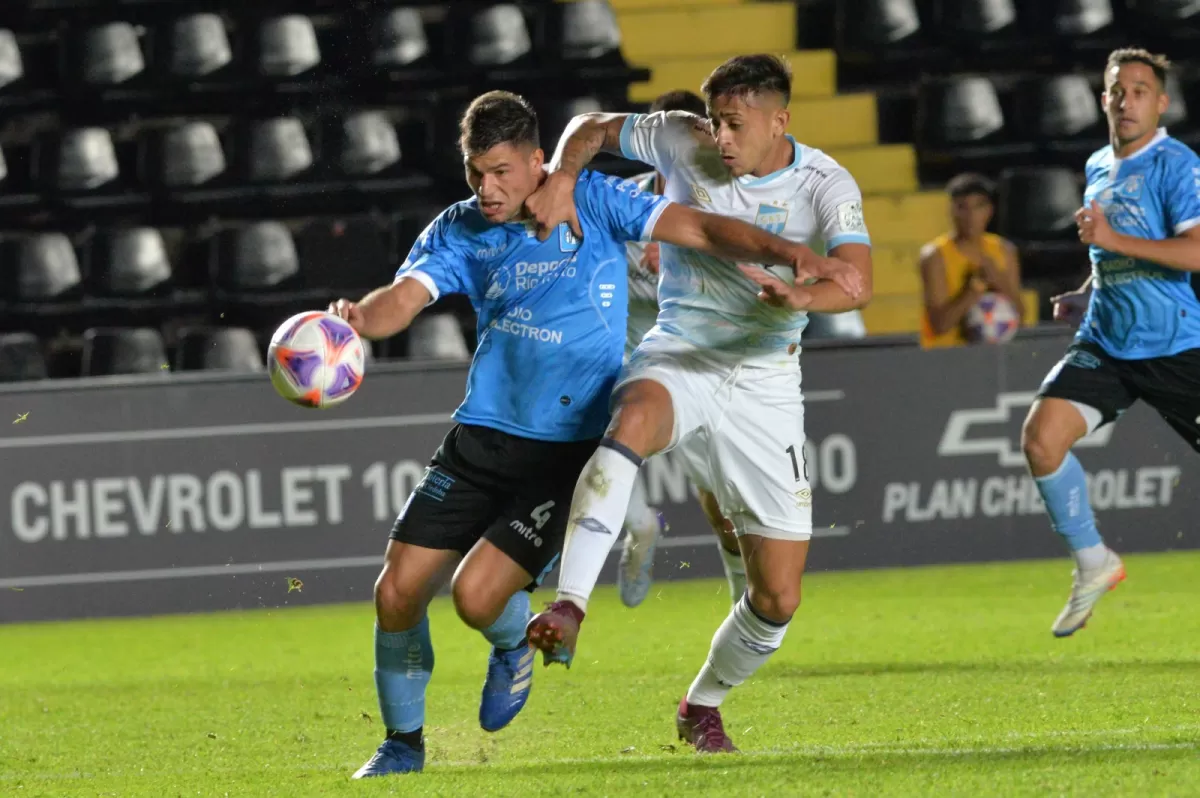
x,y
385,311
829,297
946,312
736,240
584,137
1181,252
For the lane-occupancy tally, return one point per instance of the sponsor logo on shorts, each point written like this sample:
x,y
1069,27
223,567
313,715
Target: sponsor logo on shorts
x,y
435,484
1082,360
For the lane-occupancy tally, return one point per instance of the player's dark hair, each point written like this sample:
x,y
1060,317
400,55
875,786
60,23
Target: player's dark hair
x,y
679,100
971,184
1159,64
750,74
498,117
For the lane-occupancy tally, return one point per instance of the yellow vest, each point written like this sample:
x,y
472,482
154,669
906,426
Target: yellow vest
x,y
958,271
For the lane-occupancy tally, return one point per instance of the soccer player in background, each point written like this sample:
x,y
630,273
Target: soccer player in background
x,y
490,512
1139,319
643,523
959,267
719,365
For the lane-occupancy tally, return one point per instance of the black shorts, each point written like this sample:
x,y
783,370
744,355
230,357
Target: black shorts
x,y
1171,385
486,484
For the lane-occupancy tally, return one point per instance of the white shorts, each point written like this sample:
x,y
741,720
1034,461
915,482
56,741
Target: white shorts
x,y
740,425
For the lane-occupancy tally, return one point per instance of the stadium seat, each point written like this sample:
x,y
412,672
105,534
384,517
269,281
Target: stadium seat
x,y
977,18
47,268
279,149
1082,17
288,46
12,67
257,256
399,38
1177,111
21,358
868,24
498,36
1038,203
959,110
199,46
369,143
223,348
437,337
111,54
556,117
191,155
123,350
1170,10
346,254
3,167
87,159
1060,107
130,262
590,29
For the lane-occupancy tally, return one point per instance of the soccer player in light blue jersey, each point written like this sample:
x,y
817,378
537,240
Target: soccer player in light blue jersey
x,y
1139,336
490,513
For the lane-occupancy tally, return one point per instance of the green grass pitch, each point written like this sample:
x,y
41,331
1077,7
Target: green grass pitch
x,y
928,681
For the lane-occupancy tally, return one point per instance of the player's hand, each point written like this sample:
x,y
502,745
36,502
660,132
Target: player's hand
x,y
650,259
989,274
1071,306
1094,228
554,203
778,293
979,285
808,265
349,311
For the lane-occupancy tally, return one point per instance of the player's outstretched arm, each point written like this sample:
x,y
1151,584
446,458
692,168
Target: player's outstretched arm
x,y
736,240
554,201
820,297
386,310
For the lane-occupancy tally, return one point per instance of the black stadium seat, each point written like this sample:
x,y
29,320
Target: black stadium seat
x,y
123,350
191,155
287,46
1038,203
257,257
21,358
961,110
111,54
12,67
47,268
1061,107
369,143
399,38
199,46
1170,11
87,160
498,36
130,262
590,29
977,18
222,348
279,150
870,24
1082,17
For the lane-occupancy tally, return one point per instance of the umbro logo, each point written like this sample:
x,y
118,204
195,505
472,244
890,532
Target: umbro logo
x,y
592,525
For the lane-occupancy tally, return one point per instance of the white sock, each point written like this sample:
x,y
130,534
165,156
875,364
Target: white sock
x,y
735,572
597,510
1091,557
743,643
640,519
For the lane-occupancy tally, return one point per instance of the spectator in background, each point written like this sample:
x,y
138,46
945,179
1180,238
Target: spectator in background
x,y
959,267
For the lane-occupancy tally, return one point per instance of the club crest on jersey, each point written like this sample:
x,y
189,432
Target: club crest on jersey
x,y
771,219
567,242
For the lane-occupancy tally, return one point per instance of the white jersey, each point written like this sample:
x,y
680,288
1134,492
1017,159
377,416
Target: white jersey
x,y
643,286
706,301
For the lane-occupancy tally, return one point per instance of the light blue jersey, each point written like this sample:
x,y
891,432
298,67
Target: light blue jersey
x,y
551,314
1141,309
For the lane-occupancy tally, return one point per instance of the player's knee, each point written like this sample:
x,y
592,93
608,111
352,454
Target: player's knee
x,y
397,606
1044,446
477,608
775,603
643,420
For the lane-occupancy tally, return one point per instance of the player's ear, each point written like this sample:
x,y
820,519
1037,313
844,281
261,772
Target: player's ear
x,y
537,158
1164,100
782,118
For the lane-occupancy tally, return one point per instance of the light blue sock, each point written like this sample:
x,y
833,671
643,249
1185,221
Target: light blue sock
x,y
508,631
1066,496
403,665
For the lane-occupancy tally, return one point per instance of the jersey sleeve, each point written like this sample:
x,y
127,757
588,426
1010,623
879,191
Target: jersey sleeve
x,y
659,139
440,258
837,203
620,208
1182,194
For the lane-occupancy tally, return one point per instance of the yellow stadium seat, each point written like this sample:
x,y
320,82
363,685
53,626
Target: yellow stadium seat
x,y
908,219
814,74
844,120
690,31
883,169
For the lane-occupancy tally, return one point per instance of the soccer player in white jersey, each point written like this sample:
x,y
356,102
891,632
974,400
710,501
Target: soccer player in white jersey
x,y
643,523
719,370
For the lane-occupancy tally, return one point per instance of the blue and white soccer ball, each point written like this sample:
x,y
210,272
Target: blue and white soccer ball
x,y
316,360
993,320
